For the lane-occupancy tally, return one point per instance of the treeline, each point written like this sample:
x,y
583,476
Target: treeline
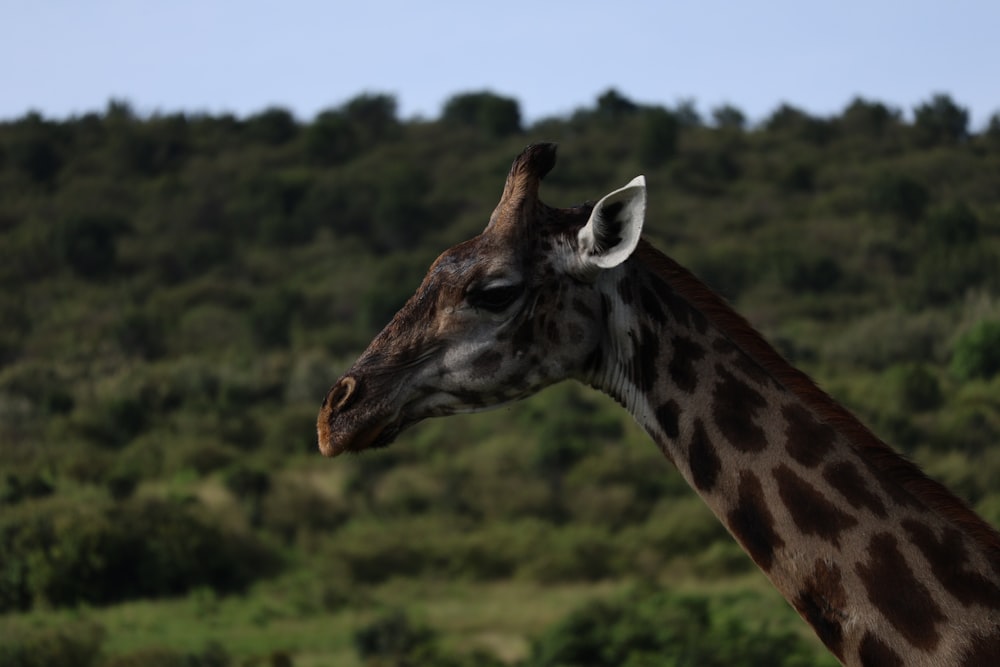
x,y
179,290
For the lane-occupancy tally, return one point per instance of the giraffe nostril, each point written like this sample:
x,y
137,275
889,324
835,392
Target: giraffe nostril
x,y
340,394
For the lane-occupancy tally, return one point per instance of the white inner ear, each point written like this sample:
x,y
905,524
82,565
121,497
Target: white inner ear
x,y
615,224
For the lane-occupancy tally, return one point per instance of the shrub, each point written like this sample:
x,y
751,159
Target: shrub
x,y
807,274
916,387
654,627
976,353
293,506
73,644
393,639
944,274
573,553
213,655
68,553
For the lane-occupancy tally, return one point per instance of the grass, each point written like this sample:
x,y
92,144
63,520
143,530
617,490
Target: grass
x,y
290,615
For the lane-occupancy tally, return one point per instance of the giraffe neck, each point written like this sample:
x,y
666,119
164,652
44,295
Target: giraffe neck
x,y
886,565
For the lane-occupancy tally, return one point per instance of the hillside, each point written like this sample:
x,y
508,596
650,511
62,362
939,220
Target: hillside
x,y
179,291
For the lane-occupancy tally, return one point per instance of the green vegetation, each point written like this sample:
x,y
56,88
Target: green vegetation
x,y
179,291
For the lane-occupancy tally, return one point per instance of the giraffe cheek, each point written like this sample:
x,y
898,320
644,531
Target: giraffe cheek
x,y
487,364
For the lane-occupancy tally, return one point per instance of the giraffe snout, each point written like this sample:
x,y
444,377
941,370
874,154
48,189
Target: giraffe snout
x,y
341,394
339,398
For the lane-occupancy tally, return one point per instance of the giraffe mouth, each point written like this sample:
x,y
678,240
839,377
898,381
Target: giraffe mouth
x,y
374,434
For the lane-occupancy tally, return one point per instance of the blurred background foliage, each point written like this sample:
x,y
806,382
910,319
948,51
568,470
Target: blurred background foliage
x,y
179,290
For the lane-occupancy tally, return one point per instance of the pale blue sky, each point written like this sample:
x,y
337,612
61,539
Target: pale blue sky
x,y
64,57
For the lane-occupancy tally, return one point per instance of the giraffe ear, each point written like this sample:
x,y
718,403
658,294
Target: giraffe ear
x,y
612,232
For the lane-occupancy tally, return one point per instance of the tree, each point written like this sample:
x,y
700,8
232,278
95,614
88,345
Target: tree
x,y
798,123
657,137
728,117
331,139
273,126
952,224
687,114
35,150
89,244
899,195
495,115
867,118
941,121
993,129
612,105
373,117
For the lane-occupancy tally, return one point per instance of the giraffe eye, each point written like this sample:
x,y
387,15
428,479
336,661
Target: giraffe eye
x,y
495,299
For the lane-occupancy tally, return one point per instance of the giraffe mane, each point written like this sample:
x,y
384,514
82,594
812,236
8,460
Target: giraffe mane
x,y
880,455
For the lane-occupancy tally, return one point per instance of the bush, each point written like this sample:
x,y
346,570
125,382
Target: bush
x,y
214,655
976,353
393,639
73,644
916,387
68,553
573,553
654,627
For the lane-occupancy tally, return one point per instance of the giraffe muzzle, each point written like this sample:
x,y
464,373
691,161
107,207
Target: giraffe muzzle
x,y
341,394
345,423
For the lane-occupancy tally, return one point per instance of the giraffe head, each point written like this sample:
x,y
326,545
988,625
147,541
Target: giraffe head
x,y
497,317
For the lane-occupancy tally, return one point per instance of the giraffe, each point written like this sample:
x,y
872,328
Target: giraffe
x,y
887,566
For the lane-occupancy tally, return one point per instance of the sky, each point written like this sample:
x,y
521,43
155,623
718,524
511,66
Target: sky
x,y
68,57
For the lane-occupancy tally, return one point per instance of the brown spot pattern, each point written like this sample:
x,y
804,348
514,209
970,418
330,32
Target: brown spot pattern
x,y
949,559
681,367
651,305
680,310
734,405
811,511
822,602
895,591
753,370
847,481
808,440
668,416
703,459
643,364
752,523
873,652
983,651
